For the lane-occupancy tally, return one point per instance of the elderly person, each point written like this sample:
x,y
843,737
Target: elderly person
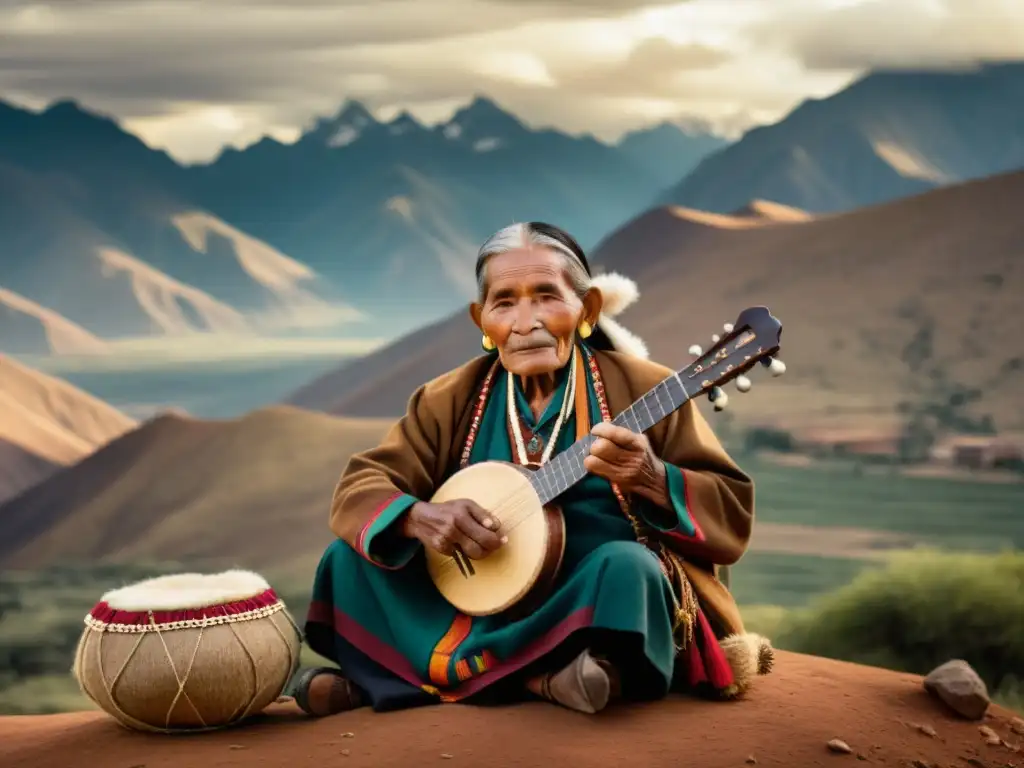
x,y
636,608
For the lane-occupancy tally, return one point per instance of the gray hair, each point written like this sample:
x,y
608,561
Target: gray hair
x,y
523,235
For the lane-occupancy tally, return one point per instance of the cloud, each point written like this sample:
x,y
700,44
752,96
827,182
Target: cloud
x,y
883,34
192,75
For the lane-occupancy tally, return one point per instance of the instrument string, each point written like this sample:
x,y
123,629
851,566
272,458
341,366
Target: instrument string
x,y
509,510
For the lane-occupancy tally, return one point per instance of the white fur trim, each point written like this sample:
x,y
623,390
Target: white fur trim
x,y
183,591
622,340
618,291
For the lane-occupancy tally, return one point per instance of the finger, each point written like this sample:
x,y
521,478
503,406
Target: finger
x,y
470,548
481,515
609,451
601,468
441,544
620,436
481,538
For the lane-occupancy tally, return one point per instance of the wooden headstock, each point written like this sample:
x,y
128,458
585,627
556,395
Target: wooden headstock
x,y
754,338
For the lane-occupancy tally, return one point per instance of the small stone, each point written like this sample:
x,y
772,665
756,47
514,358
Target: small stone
x,y
927,730
751,760
236,746
958,686
991,737
1017,726
346,752
347,735
447,755
840,746
918,763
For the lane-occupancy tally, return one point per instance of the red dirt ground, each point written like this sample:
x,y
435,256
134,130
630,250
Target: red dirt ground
x,y
786,721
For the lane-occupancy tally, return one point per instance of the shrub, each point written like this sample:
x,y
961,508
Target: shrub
x,y
924,608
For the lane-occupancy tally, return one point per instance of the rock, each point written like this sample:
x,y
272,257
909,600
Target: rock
x,y
926,729
840,746
958,686
751,760
918,763
1017,726
991,737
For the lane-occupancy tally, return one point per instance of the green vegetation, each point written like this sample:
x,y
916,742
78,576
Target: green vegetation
x,y
924,608
952,514
790,581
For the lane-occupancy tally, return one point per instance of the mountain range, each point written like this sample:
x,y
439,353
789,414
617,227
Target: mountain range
x,y
46,424
888,135
366,229
908,307
359,228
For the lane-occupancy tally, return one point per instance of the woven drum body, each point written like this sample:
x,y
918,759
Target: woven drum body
x,y
187,652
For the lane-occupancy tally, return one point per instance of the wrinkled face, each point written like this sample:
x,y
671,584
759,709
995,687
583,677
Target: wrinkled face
x,y
531,311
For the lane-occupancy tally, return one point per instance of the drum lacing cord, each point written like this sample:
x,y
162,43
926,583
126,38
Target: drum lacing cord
x,y
293,663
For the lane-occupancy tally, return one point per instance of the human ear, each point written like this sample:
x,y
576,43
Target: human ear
x,y
476,311
593,301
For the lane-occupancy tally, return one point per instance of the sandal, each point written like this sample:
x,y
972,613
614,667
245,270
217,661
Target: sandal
x,y
323,691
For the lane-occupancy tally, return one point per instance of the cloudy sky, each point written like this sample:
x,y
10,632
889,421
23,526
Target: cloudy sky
x,y
193,75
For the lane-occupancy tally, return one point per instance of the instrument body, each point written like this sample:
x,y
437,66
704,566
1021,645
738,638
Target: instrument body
x,y
524,568
520,572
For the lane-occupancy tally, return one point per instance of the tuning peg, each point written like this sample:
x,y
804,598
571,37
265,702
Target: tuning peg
x,y
728,327
715,338
776,366
696,351
743,384
718,396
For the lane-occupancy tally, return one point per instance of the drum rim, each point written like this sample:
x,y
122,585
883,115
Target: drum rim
x,y
103,618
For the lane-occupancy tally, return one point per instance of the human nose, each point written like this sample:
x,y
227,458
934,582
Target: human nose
x,y
526,318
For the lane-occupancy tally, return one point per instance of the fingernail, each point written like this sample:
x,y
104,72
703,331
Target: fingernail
x,y
504,539
488,523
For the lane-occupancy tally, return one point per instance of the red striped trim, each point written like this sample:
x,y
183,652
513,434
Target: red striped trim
x,y
108,615
698,534
361,541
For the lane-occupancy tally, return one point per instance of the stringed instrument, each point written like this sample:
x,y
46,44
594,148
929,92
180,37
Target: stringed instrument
x,y
522,499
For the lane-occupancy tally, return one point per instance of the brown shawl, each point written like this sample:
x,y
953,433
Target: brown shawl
x,y
423,449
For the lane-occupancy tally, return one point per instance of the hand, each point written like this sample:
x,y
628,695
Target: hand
x,y
461,523
626,459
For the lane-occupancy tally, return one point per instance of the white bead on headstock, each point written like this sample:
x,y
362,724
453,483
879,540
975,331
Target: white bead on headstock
x,y
743,384
728,327
696,350
775,366
715,338
719,398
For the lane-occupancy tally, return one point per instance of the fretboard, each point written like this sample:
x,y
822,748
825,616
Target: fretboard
x,y
566,469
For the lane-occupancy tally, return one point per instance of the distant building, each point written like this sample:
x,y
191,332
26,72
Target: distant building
x,y
836,443
979,452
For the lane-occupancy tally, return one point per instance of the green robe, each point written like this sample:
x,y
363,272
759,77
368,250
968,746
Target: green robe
x,y
381,619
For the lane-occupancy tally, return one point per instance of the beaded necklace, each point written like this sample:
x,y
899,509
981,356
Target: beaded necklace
x,y
568,400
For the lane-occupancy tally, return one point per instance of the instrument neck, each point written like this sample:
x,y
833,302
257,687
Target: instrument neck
x,y
566,469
